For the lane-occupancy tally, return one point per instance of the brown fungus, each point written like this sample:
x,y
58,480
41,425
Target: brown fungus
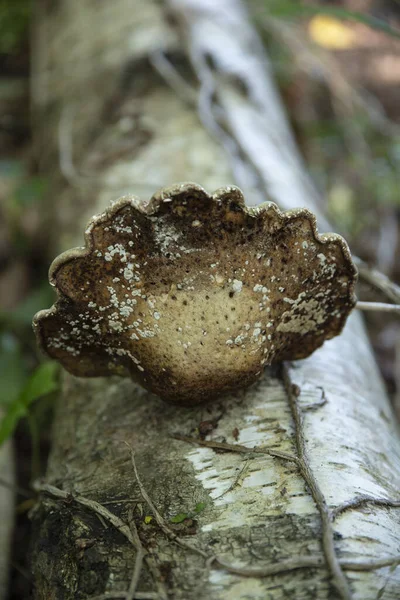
x,y
192,295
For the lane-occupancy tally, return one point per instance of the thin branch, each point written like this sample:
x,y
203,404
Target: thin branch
x,y
124,596
283,566
96,507
129,532
239,476
157,578
66,159
123,501
378,306
172,77
378,280
26,574
316,405
207,112
140,554
363,501
15,488
338,578
306,562
388,240
370,565
65,147
160,521
236,448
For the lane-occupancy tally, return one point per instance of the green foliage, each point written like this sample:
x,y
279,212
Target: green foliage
x,y
180,517
24,392
351,147
24,198
374,167
288,9
30,191
23,381
14,22
20,387
12,369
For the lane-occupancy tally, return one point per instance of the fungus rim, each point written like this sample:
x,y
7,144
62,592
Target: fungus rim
x,y
151,208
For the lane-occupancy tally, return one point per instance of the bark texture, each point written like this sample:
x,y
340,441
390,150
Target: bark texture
x,y
131,96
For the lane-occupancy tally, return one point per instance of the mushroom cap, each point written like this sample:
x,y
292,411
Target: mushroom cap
x,y
192,295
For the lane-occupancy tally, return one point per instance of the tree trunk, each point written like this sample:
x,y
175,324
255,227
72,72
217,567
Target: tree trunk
x,y
120,110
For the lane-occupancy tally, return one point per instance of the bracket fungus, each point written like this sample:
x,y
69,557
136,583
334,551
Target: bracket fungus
x,y
192,295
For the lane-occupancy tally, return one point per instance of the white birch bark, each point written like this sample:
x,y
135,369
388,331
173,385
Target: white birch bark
x,y
260,510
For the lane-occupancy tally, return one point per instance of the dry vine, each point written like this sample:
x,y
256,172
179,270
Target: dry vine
x,y
236,448
281,567
160,521
336,566
364,501
338,578
128,531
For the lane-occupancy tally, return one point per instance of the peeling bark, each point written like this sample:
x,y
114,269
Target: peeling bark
x,y
120,110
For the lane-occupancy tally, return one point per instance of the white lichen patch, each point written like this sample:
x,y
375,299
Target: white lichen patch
x,y
166,236
303,316
237,286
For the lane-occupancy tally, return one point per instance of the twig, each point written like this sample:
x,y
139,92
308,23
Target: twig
x,y
140,554
160,521
26,574
66,160
129,532
238,477
338,578
378,306
96,507
209,119
282,566
124,596
123,501
306,562
363,501
388,239
65,146
236,448
157,578
316,405
378,280
172,77
370,565
15,488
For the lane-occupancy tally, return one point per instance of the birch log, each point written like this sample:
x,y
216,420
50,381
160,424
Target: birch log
x,y
130,96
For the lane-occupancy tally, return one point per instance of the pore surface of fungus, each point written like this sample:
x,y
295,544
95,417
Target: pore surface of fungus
x,y
192,294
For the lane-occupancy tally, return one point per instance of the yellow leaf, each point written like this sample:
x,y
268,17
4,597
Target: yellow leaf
x,y
331,33
148,519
